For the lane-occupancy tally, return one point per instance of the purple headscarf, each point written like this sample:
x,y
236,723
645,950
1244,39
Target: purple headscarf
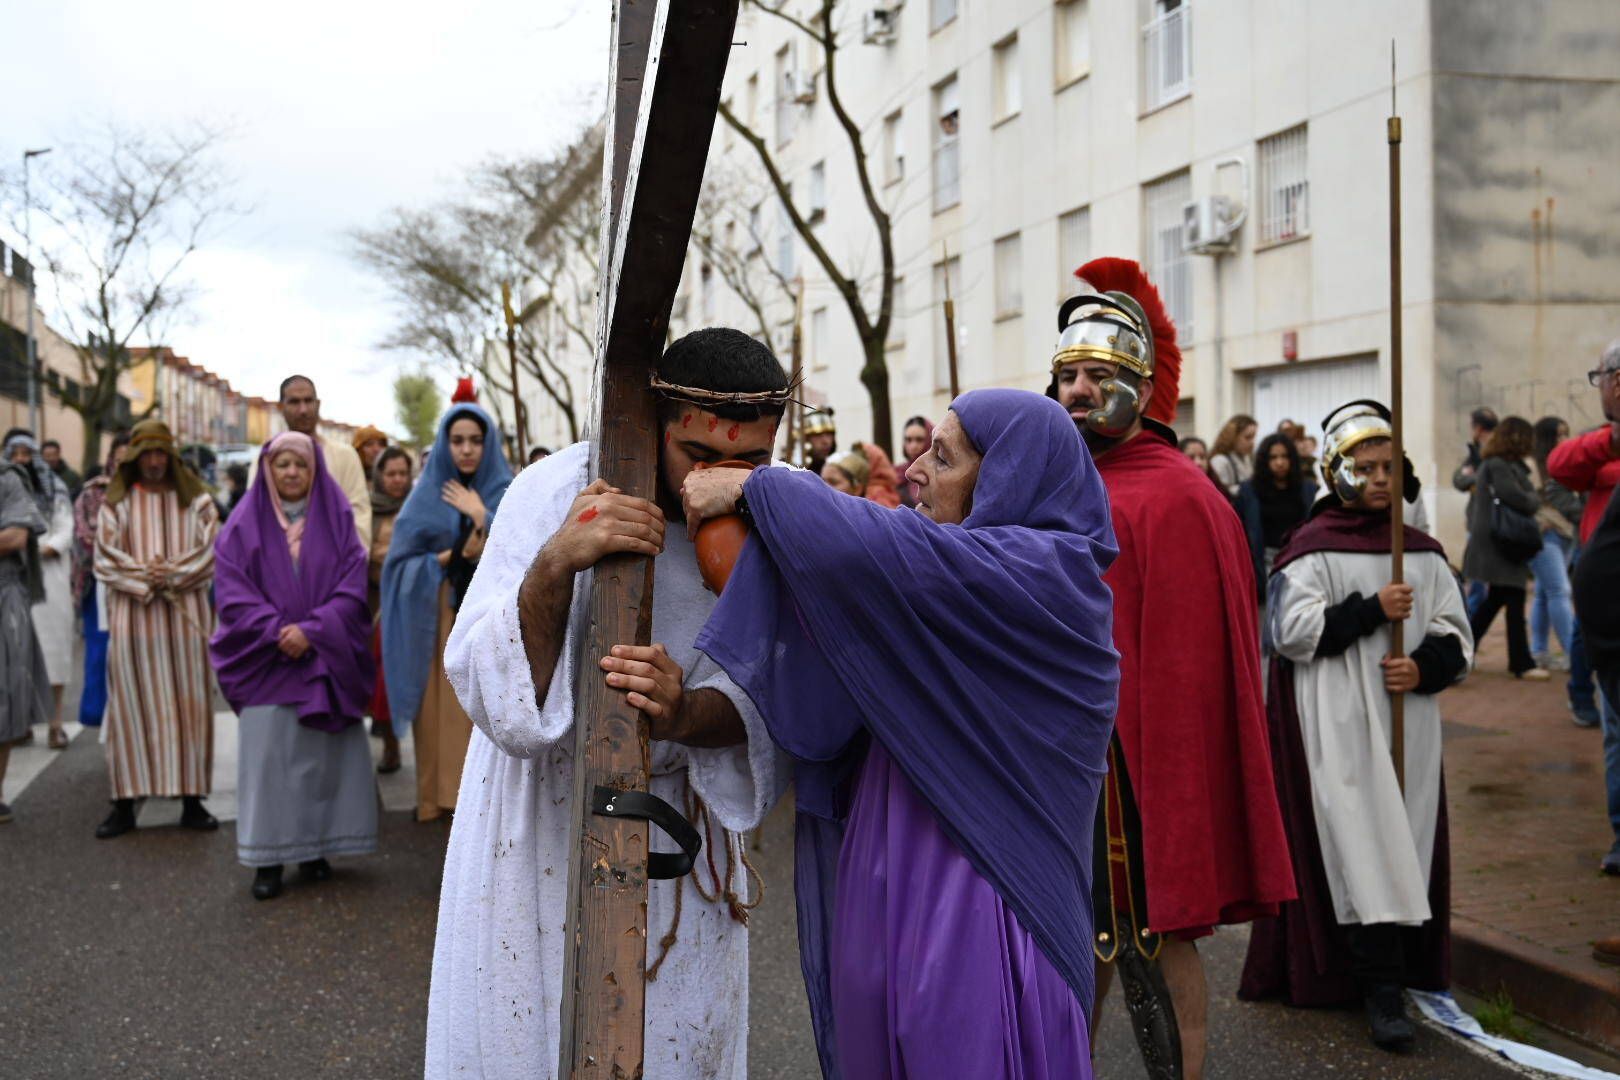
x,y
980,655
259,590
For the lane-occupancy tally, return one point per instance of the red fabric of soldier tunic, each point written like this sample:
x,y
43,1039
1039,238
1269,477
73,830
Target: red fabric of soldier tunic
x,y
1191,714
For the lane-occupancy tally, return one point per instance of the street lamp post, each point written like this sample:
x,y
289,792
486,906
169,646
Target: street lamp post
x,y
28,256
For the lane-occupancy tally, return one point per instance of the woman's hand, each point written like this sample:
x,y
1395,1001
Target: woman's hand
x,y
474,547
709,493
292,641
604,521
651,681
465,500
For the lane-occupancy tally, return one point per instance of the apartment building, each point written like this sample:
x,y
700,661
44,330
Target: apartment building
x,y
1011,141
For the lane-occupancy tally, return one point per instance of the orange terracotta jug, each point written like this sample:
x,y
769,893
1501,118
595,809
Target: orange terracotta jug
x,y
720,540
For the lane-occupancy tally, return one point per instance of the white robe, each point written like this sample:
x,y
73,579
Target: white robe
x,y
1377,852
493,1009
53,616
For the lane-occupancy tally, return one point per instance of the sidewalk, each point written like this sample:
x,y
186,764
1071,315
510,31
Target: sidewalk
x,y
1528,827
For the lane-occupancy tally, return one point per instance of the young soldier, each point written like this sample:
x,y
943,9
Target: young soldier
x,y
1188,835
1372,862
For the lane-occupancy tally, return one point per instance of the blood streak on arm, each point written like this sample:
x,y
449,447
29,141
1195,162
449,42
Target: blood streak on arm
x,y
589,515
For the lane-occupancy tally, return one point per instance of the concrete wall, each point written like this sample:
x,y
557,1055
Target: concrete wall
x,y
1527,179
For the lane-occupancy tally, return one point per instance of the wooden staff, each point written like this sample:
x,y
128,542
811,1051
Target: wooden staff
x,y
795,415
519,419
1397,504
950,319
668,62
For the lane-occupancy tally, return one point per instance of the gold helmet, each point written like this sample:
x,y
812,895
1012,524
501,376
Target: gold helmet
x,y
1112,328
1343,430
820,423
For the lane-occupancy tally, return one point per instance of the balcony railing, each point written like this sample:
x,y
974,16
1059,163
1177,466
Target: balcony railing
x,y
1167,58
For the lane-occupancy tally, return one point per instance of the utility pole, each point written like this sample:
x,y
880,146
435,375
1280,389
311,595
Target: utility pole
x,y
28,257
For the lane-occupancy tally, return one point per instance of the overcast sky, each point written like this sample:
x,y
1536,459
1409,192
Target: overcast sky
x,y
341,109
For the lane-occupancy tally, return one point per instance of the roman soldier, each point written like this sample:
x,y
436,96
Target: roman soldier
x,y
820,438
1187,833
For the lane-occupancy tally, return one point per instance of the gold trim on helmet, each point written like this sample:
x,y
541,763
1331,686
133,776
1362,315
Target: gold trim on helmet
x,y
1073,354
819,424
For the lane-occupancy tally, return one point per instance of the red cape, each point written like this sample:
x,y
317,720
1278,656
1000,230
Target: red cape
x,y
1191,713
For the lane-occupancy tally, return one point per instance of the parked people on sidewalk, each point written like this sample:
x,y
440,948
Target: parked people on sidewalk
x,y
1502,489
301,409
439,537
1231,459
291,652
915,439
1371,858
1191,803
24,683
498,960
50,451
53,612
390,484
1277,497
369,442
1590,464
1558,516
155,556
1481,423
89,595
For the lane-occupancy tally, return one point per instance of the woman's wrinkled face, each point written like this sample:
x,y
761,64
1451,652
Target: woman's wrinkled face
x,y
1277,461
396,477
916,442
466,445
838,479
292,476
945,476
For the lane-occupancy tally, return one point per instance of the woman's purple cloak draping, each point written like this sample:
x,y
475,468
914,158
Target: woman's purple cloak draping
x,y
947,692
258,591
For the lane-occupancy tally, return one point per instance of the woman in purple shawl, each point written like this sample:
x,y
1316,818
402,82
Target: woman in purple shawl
x,y
946,683
292,659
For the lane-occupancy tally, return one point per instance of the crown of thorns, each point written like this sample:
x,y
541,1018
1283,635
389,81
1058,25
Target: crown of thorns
x,y
699,396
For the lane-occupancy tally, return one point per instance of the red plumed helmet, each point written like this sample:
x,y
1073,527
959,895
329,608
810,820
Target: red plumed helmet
x,y
1127,276
465,394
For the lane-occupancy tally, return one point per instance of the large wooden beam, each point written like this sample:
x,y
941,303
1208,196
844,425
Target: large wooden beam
x,y
669,60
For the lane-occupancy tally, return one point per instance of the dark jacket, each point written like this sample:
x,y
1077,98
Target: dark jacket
x,y
1248,508
1509,482
1463,479
1595,586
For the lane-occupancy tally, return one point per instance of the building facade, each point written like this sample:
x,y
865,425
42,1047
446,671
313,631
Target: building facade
x,y
1009,142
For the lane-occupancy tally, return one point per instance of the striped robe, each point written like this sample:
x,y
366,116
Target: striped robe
x,y
160,710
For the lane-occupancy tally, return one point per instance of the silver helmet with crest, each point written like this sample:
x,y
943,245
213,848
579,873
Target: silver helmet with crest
x,y
1113,328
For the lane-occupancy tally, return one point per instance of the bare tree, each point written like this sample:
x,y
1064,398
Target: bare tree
x,y
871,317
739,260
127,212
525,222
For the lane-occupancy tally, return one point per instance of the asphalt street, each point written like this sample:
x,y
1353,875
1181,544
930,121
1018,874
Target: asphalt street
x,y
146,957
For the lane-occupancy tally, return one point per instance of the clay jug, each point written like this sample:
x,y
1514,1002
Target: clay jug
x,y
720,540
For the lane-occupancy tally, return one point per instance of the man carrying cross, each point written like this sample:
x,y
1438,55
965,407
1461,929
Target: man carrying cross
x,y
498,961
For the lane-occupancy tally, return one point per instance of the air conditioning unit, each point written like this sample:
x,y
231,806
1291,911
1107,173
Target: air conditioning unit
x,y
880,25
799,87
1209,225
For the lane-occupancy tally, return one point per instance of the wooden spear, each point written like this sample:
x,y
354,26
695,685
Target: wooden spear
x,y
795,416
520,418
1397,503
950,318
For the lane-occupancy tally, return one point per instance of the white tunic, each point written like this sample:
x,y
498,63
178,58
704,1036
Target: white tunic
x,y
53,616
1377,851
493,1010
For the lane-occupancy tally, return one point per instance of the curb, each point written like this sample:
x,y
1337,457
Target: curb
x,y
1555,989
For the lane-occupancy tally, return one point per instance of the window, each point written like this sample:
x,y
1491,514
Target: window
x,y
785,262
1009,276
787,114
1285,191
940,12
1074,248
1165,261
818,192
1166,54
1008,87
706,280
897,314
820,346
947,146
894,149
1072,41
947,282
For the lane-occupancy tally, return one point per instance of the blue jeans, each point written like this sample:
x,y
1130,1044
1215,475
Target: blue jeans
x,y
1611,754
1474,596
1552,605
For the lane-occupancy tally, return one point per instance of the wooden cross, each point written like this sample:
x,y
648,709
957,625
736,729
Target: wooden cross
x,y
667,65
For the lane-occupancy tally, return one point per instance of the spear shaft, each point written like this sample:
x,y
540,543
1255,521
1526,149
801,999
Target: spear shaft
x,y
1397,503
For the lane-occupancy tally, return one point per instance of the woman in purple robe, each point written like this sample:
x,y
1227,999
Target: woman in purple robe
x,y
946,682
292,659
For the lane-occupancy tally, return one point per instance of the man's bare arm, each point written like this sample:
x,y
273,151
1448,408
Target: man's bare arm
x,y
707,719
543,600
